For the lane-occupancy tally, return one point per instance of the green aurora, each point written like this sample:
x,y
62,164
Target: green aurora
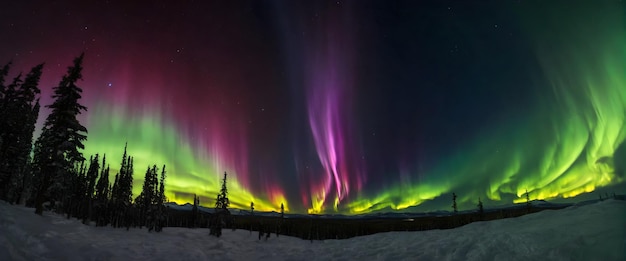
x,y
562,146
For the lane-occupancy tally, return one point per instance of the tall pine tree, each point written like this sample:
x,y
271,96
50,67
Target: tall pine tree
x,y
90,186
19,112
146,198
221,214
61,139
122,192
3,74
222,202
160,216
102,195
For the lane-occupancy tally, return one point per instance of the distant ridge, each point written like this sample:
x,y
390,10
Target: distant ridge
x,y
392,214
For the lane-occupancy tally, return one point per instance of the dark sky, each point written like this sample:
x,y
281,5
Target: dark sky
x,y
347,106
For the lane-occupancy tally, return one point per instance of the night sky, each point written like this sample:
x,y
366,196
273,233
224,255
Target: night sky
x,y
337,106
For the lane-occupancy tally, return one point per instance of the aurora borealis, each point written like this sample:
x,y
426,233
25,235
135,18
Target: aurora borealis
x,y
344,106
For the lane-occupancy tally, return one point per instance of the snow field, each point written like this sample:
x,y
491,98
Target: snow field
x,y
590,232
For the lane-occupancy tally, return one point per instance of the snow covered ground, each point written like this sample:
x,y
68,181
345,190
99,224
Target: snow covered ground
x,y
590,232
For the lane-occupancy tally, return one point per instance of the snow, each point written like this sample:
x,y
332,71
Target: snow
x,y
594,231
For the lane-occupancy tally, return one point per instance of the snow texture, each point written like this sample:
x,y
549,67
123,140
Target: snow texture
x,y
589,232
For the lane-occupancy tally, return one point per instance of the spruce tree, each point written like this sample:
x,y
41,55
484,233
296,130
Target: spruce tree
x,y
61,139
74,200
528,207
3,101
480,209
221,210
18,115
222,198
161,199
102,185
121,193
3,74
194,211
102,195
454,203
147,199
90,179
144,200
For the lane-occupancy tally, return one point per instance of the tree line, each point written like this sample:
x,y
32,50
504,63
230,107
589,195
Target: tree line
x,y
52,174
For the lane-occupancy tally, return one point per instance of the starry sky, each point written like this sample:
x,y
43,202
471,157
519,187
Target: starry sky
x,y
344,106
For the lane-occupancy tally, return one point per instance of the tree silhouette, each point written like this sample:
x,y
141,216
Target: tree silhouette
x,y
121,193
222,198
194,211
221,215
102,195
527,201
160,201
146,198
454,202
480,209
19,109
92,175
61,138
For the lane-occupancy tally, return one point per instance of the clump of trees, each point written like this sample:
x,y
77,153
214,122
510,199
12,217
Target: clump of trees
x,y
57,150
150,201
58,177
19,109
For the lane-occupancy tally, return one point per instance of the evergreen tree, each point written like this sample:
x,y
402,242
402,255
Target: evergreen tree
x,y
8,135
3,101
74,200
149,200
121,194
19,109
144,200
90,179
194,211
221,214
222,198
103,183
102,195
454,203
282,219
251,214
61,138
480,208
3,74
161,199
24,174
528,207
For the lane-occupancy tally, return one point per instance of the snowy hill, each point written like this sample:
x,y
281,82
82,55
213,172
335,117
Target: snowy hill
x,y
595,231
